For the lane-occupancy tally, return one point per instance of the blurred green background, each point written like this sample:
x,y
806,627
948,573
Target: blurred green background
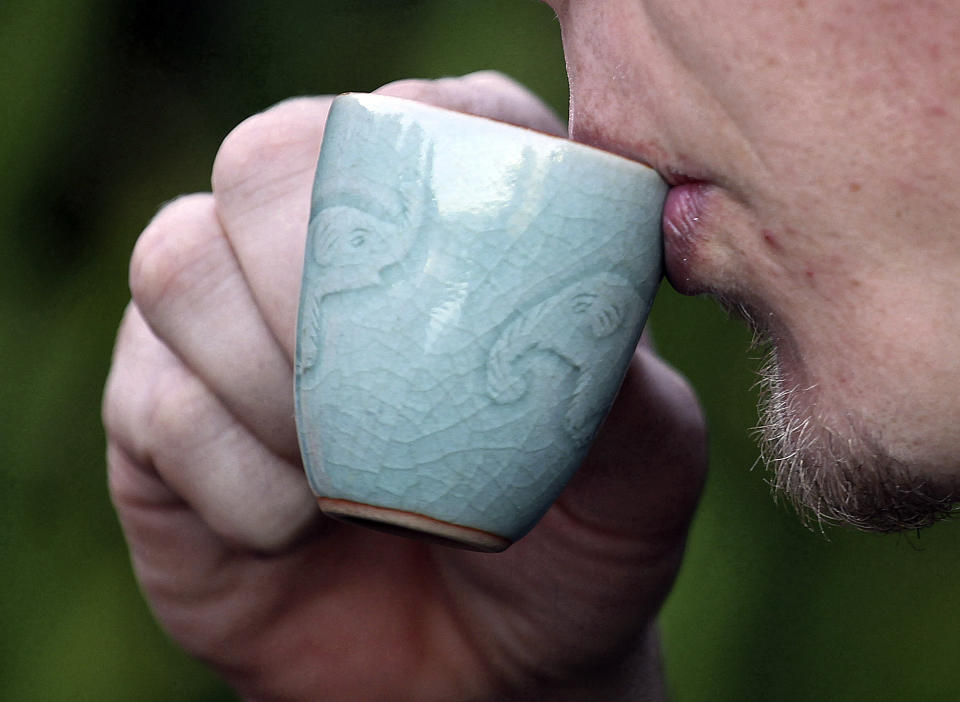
x,y
108,109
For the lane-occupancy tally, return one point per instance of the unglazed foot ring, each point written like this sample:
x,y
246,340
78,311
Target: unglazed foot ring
x,y
411,524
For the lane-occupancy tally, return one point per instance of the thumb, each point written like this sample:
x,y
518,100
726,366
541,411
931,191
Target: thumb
x,y
485,93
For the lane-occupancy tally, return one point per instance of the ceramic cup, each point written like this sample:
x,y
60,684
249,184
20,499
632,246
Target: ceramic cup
x,y
472,295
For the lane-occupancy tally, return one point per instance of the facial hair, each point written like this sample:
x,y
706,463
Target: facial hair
x,y
835,471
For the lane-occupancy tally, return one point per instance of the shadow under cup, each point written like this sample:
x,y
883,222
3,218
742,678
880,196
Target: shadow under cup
x,y
472,295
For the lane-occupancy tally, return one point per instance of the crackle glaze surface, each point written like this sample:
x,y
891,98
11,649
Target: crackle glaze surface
x,y
472,294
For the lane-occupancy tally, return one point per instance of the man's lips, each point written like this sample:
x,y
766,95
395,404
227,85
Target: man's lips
x,y
683,228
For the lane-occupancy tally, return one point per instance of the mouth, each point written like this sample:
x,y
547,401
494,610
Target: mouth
x,y
684,229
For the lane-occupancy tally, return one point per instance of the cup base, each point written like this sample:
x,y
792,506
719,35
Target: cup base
x,y
414,525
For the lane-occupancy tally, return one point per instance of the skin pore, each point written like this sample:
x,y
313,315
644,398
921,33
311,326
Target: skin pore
x,y
815,147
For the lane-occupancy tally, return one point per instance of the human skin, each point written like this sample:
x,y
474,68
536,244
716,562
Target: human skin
x,y
816,146
226,539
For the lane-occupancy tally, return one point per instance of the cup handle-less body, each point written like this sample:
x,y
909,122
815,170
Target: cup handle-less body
x,y
472,295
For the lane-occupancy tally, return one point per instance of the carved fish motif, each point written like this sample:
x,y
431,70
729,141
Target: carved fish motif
x,y
573,324
351,246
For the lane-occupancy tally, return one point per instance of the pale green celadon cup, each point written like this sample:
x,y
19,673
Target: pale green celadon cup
x,y
472,295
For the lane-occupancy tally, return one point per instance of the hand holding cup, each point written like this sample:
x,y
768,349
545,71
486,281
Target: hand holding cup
x,y
225,536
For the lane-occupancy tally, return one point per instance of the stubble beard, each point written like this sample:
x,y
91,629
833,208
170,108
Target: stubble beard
x,y
832,471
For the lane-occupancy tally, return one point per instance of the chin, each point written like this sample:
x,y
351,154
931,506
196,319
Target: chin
x,y
834,469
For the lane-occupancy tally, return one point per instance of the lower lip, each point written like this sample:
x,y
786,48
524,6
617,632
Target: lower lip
x,y
683,229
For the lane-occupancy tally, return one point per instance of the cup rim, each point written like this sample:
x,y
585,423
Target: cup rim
x,y
507,126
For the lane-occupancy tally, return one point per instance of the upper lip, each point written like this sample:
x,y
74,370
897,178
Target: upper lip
x,y
674,177
672,170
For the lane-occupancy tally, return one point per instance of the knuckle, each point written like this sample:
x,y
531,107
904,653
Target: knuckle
x,y
275,135
114,393
240,151
177,417
167,251
151,402
128,385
